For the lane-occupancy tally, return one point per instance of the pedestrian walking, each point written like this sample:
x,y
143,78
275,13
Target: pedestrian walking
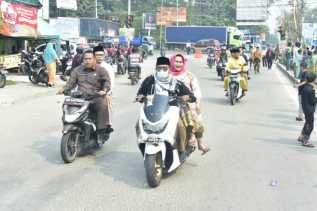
x,y
269,58
50,58
309,106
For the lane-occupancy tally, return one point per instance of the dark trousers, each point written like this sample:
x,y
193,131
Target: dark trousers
x,y
308,126
101,107
269,63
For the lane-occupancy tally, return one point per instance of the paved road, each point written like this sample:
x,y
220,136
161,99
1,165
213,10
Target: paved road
x,y
253,143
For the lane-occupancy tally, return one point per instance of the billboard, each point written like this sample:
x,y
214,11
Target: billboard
x,y
252,10
96,28
149,21
68,28
17,20
168,15
66,4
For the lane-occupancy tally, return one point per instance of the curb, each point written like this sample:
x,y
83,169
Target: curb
x,y
289,74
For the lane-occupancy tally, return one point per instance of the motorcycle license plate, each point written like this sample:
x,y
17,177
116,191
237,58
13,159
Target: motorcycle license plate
x,y
153,139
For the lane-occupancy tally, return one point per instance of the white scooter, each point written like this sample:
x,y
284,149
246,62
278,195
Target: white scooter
x,y
157,137
235,91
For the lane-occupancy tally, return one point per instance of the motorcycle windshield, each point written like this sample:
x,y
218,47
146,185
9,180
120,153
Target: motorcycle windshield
x,y
155,106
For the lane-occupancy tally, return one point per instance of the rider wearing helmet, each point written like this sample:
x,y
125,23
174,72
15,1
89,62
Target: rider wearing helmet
x,y
236,61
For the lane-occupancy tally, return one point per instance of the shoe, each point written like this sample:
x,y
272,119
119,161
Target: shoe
x,y
299,119
109,130
102,137
227,93
307,144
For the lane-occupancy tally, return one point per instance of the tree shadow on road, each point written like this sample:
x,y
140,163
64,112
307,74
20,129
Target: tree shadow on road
x,y
126,167
49,148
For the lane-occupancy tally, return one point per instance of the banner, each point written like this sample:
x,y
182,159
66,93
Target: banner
x,y
17,20
168,15
67,4
149,21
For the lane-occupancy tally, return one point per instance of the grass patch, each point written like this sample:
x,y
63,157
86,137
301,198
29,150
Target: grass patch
x,y
10,82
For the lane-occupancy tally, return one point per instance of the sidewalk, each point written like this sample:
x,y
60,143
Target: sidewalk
x,y
24,90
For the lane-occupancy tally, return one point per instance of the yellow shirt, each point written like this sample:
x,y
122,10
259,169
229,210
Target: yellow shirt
x,y
237,64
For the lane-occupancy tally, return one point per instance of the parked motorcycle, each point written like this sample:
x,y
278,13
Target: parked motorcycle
x,y
38,71
235,91
157,137
3,78
79,130
134,68
66,67
27,64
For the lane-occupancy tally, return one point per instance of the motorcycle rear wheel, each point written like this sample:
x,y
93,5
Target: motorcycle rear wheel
x,y
3,81
153,169
69,148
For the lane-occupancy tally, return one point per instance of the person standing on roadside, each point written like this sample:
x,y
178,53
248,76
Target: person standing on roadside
x,y
309,106
50,58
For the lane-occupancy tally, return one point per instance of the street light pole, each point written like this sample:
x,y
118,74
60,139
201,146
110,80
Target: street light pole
x,y
161,26
177,12
129,7
96,8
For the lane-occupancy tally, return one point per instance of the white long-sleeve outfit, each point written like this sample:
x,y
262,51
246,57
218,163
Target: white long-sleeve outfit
x,y
111,73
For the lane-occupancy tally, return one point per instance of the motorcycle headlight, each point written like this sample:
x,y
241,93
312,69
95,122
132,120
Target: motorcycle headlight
x,y
154,128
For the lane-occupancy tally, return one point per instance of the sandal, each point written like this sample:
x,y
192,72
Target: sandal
x,y
308,144
192,141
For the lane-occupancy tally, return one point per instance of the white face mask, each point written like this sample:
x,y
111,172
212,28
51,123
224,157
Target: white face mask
x,y
162,75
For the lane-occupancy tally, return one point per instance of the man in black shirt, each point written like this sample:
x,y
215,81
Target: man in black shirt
x,y
309,106
161,82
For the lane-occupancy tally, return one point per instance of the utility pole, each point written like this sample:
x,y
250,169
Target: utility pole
x,y
129,7
177,12
96,8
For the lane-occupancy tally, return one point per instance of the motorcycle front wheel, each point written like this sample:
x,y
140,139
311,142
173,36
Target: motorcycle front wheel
x,y
232,96
69,148
33,78
3,80
153,169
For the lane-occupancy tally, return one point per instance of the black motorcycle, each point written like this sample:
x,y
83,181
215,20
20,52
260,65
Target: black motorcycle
x,y
210,60
79,130
27,64
221,67
38,72
3,78
66,66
